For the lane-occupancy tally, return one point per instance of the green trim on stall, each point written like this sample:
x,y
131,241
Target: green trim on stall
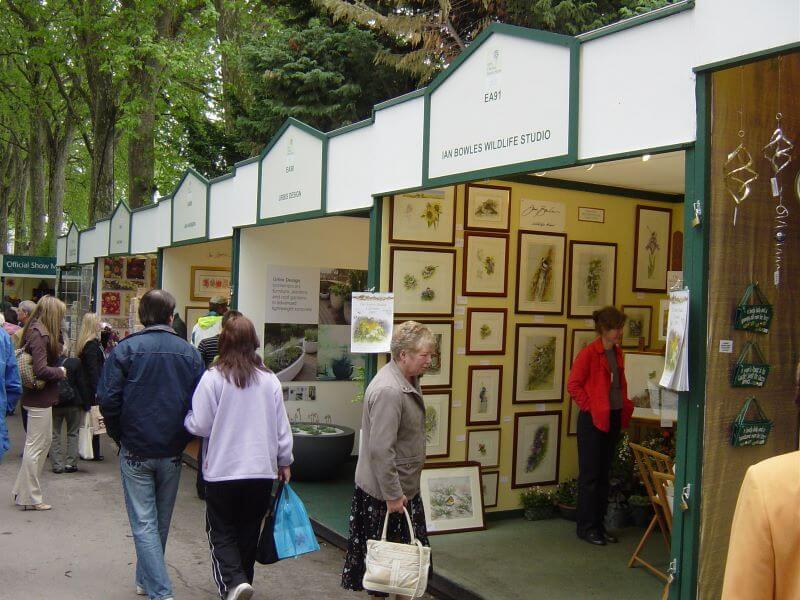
x,y
562,160
594,188
691,407
635,21
374,273
747,58
237,243
160,268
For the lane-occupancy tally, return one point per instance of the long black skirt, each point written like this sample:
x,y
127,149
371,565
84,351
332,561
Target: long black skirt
x,y
366,523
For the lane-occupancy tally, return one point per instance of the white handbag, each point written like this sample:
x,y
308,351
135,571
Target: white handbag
x,y
394,568
85,433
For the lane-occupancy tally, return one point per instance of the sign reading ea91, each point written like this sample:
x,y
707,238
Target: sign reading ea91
x,y
507,103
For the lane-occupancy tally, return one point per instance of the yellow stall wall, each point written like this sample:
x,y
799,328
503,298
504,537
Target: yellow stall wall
x,y
619,227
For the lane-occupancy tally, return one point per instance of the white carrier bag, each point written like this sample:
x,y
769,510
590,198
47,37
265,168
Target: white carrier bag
x,y
394,568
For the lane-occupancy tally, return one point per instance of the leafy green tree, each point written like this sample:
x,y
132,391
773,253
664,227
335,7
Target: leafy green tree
x,y
318,72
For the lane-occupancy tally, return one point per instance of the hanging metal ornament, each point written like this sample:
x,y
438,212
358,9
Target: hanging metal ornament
x,y
739,174
779,153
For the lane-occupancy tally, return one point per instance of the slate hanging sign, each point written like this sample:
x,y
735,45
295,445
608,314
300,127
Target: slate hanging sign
x,y
750,374
750,432
756,316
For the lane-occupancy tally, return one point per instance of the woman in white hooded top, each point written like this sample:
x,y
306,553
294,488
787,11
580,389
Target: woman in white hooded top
x,y
238,410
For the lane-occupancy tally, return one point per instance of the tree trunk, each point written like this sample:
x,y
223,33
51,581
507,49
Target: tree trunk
x,y
36,172
227,28
141,145
58,153
19,197
104,125
7,173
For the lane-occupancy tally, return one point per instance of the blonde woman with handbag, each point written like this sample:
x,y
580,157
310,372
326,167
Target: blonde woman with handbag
x,y
392,455
41,338
90,353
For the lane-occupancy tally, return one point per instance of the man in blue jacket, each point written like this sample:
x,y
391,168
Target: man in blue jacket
x,y
10,387
144,393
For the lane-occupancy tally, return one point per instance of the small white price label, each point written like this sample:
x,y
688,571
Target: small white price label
x,y
459,325
459,242
461,300
726,346
461,310
588,322
461,350
461,438
459,227
503,478
456,403
639,296
507,419
483,362
538,318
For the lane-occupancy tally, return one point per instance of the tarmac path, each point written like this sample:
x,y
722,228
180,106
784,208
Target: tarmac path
x,y
82,549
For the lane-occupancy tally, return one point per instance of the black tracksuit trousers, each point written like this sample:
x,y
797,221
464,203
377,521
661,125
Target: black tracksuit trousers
x,y
595,454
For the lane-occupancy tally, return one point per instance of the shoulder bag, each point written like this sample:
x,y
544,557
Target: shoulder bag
x,y
25,366
395,568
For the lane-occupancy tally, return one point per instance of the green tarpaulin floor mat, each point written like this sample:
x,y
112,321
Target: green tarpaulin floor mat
x,y
514,558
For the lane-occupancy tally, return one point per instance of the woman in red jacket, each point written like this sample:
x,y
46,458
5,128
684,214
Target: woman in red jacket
x,y
598,386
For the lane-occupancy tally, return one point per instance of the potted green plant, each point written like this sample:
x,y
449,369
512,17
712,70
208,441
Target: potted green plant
x,y
567,499
342,367
339,291
310,340
641,510
538,503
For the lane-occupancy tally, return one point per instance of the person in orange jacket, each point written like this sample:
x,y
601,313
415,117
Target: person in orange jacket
x,y
598,386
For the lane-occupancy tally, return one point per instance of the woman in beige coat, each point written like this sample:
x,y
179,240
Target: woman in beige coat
x,y
392,452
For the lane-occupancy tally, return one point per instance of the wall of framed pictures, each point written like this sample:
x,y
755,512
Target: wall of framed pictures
x,y
197,271
121,281
507,275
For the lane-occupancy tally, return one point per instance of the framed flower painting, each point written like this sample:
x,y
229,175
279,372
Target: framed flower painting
x,y
437,424
485,258
537,443
539,363
486,330
422,281
486,207
424,217
541,266
593,277
652,249
637,325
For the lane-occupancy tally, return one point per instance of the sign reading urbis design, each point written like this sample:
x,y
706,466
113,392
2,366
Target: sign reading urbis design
x,y
189,208
507,103
292,172
34,266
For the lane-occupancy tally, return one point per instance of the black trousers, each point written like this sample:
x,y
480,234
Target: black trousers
x,y
595,454
234,513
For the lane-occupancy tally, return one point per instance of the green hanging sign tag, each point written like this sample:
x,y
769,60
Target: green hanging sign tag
x,y
750,374
750,432
756,316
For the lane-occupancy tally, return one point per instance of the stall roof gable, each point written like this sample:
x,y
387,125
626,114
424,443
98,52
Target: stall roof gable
x,y
190,172
535,35
290,122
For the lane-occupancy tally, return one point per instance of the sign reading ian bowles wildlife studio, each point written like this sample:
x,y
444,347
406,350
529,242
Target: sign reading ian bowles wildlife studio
x,y
507,103
190,208
29,266
292,172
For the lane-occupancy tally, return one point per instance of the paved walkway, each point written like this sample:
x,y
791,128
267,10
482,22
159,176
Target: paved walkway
x,y
82,549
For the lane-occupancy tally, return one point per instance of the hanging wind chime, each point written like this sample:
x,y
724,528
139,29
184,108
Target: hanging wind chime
x,y
738,168
779,153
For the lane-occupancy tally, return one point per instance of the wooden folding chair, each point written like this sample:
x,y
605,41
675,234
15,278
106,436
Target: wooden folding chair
x,y
649,463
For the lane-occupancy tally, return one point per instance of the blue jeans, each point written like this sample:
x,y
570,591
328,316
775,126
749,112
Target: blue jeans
x,y
150,486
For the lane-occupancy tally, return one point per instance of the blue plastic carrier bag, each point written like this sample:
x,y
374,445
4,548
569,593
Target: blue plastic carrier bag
x,y
293,533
